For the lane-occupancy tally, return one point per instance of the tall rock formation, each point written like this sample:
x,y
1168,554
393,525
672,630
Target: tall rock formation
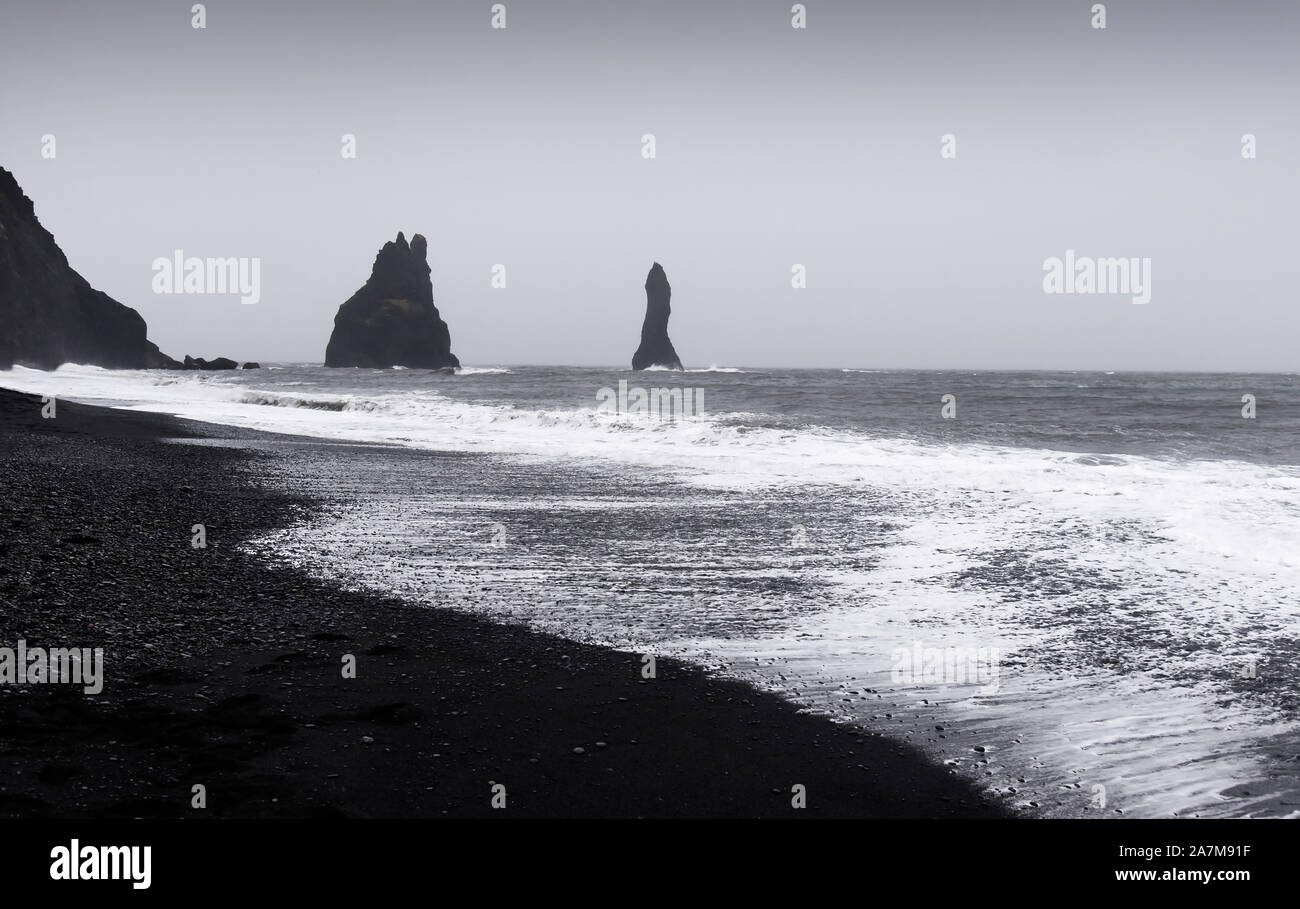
x,y
391,320
49,314
656,349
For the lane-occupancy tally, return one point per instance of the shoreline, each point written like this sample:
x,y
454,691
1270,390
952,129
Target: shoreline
x,y
224,671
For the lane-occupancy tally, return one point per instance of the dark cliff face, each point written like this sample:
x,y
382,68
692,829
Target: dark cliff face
x,y
391,320
49,314
656,349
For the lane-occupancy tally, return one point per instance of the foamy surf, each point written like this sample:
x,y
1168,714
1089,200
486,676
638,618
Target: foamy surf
x,y
1112,584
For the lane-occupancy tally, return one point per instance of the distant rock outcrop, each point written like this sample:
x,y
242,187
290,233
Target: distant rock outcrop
x,y
200,363
656,349
49,314
391,320
251,366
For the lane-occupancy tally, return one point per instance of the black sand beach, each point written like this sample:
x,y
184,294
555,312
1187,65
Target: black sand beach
x,y
224,671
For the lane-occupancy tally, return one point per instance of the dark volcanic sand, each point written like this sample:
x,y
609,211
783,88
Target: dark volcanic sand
x,y
224,671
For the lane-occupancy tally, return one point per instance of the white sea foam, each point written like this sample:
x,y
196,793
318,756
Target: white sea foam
x,y
1228,512
1123,588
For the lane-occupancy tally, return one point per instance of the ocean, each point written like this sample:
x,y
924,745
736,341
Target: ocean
x,y
1079,589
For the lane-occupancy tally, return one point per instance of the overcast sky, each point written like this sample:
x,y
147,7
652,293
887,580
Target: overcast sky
x,y
774,146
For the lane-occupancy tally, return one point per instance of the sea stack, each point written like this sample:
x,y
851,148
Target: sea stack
x,y
200,363
49,314
391,320
656,349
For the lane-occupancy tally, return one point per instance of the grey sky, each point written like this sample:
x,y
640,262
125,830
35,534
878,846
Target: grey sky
x,y
774,147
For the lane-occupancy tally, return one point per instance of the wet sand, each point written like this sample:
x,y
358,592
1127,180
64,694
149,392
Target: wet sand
x,y
225,670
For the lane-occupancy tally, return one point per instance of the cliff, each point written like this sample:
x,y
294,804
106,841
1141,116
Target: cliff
x,y
49,314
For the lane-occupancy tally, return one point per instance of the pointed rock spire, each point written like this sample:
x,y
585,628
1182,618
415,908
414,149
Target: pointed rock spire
x,y
656,349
